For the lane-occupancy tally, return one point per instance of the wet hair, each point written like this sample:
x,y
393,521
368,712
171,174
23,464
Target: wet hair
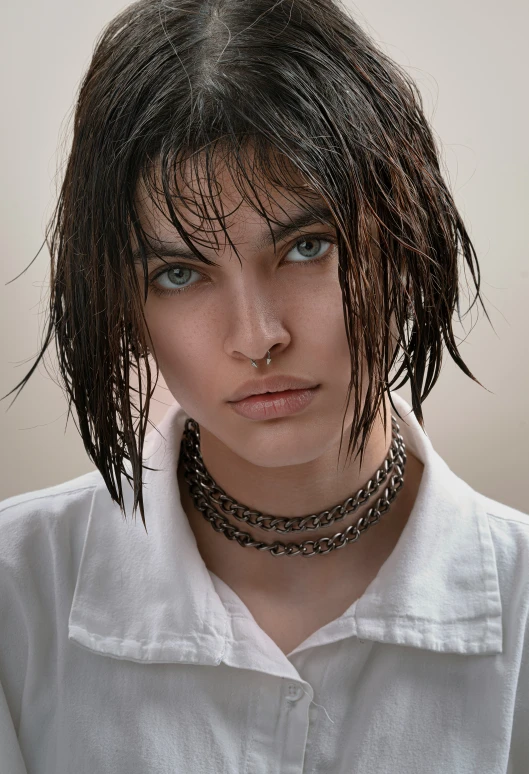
x,y
277,93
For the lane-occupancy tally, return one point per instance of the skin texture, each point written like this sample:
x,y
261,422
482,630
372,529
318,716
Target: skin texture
x,y
203,339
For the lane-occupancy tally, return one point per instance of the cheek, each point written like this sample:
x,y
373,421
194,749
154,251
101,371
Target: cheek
x,y
320,321
183,346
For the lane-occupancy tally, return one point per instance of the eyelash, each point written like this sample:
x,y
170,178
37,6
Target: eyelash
x,y
309,262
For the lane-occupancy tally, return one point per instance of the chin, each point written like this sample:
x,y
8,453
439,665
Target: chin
x,y
276,445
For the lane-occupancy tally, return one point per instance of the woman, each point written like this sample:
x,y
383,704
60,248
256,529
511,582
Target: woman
x,y
214,637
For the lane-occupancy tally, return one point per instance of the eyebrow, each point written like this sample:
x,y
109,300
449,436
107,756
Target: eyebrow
x,y
319,214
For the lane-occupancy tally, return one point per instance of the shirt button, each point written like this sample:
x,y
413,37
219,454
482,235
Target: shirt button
x,y
294,692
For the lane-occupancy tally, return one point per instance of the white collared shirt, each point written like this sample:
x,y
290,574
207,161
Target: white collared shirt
x,y
121,652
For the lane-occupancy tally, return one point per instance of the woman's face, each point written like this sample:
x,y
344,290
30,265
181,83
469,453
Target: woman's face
x,y
209,321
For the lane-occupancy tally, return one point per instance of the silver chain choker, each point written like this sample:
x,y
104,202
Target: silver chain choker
x,y
209,498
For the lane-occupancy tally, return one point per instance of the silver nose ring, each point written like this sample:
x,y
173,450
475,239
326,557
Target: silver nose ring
x,y
268,359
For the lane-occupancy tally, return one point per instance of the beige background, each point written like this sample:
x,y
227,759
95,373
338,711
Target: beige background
x,y
470,61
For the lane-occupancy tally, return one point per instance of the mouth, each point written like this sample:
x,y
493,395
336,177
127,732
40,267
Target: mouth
x,y
274,405
271,394
272,385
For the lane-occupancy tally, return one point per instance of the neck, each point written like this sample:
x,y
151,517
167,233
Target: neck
x,y
294,490
298,490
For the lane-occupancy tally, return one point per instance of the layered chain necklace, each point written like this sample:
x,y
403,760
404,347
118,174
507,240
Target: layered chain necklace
x,y
213,502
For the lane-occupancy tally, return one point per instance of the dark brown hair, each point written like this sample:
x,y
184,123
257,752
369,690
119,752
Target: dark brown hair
x,y
307,89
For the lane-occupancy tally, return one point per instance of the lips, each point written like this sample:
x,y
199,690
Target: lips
x,y
273,384
274,405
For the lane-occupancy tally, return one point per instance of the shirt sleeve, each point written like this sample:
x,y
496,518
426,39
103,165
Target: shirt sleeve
x,y
10,754
519,752
13,645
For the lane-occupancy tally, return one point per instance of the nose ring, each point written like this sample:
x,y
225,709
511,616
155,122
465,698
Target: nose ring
x,y
268,359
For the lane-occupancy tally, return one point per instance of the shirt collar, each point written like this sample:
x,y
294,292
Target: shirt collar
x,y
150,597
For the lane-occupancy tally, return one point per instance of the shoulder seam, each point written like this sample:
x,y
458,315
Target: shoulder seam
x,y
47,496
507,518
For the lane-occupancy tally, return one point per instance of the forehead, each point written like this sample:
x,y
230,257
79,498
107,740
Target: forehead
x,y
209,198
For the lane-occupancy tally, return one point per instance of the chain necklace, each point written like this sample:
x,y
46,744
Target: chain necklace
x,y
203,490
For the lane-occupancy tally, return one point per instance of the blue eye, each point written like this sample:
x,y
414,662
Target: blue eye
x,y
314,249
175,277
